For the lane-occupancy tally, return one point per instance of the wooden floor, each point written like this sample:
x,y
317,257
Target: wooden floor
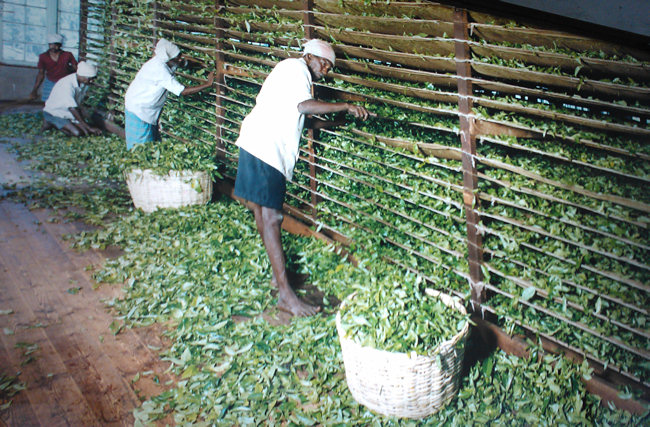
x,y
55,330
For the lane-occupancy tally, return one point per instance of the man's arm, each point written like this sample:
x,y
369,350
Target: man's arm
x,y
73,64
39,79
194,89
81,124
314,106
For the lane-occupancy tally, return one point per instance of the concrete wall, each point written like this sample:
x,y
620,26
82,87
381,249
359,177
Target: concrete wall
x,y
16,82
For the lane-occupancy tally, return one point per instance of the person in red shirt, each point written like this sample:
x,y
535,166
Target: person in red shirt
x,y
53,65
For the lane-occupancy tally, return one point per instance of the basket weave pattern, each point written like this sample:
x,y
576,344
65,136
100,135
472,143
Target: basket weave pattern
x,y
401,384
150,191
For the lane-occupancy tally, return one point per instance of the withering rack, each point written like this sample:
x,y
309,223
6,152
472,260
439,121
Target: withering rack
x,y
508,156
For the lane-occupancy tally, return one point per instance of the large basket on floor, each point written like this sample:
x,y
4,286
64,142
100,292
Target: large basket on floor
x,y
178,188
402,384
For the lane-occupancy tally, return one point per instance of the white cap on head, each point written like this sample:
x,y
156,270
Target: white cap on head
x,y
86,69
166,50
320,48
54,38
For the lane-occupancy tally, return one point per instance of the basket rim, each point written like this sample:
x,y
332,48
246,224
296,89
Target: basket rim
x,y
440,347
180,172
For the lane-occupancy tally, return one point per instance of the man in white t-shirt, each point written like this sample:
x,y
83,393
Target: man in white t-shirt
x,y
147,93
62,106
268,150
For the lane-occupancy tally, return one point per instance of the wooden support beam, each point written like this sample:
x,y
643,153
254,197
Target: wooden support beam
x,y
154,21
83,29
220,77
468,144
308,21
112,75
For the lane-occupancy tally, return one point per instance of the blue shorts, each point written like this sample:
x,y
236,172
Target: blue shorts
x,y
47,88
58,122
259,183
138,131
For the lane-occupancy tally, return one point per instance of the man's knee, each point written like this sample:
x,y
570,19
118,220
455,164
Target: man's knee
x,y
271,216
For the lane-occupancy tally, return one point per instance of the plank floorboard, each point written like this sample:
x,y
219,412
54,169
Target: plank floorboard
x,y
20,412
82,374
31,278
96,365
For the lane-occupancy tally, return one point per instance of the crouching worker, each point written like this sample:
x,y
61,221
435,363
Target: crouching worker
x,y
268,150
147,93
62,106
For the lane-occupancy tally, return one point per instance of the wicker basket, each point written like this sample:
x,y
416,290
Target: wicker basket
x,y
401,384
150,191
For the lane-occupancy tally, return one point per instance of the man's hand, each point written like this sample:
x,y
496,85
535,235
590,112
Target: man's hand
x,y
88,130
33,95
359,112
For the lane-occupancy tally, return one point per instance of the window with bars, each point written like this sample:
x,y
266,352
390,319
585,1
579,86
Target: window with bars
x,y
26,23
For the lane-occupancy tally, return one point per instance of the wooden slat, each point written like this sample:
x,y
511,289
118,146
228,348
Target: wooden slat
x,y
559,200
416,61
539,58
576,85
352,96
260,26
437,79
553,39
598,169
192,8
505,88
407,44
564,117
384,25
623,201
269,4
639,71
274,13
583,66
187,27
412,10
193,19
431,95
427,149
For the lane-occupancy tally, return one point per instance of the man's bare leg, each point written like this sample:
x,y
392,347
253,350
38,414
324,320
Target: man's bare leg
x,y
257,211
268,223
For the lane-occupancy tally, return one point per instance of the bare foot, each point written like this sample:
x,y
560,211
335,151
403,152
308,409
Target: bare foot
x,y
289,302
46,126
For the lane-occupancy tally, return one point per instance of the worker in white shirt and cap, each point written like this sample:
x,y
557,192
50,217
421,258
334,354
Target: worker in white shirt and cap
x,y
53,65
147,93
268,149
62,106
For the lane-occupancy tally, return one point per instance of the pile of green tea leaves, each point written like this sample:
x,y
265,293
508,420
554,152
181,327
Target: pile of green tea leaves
x,y
81,178
203,270
172,154
393,313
